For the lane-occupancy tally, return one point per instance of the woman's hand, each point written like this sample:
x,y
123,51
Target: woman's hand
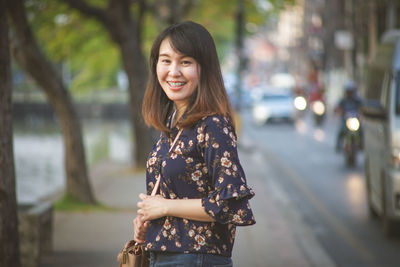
x,y
140,228
152,207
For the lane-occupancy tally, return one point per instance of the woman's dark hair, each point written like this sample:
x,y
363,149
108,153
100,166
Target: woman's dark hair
x,y
193,40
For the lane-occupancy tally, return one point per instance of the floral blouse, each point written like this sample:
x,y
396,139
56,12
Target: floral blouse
x,y
203,164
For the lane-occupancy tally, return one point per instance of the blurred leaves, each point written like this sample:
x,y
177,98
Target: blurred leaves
x,y
219,17
89,60
81,46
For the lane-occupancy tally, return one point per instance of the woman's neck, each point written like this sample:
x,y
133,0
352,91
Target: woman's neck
x,y
179,111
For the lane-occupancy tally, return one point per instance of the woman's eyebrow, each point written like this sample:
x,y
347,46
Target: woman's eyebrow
x,y
167,55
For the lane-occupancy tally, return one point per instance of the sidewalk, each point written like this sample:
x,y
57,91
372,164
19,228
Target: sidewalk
x,y
279,238
86,239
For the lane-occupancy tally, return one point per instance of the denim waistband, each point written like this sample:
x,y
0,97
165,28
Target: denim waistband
x,y
166,259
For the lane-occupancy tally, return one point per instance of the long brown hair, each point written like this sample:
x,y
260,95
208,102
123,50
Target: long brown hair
x,y
210,97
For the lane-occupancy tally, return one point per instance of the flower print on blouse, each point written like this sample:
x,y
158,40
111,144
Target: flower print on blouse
x,y
203,164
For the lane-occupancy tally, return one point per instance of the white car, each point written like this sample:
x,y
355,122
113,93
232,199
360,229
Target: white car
x,y
274,106
381,127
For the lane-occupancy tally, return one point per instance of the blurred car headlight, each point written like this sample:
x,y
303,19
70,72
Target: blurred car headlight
x,y
300,103
353,124
260,113
318,107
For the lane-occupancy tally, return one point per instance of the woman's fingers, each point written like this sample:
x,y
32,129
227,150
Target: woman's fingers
x,y
140,228
139,239
141,221
143,196
140,212
151,207
144,215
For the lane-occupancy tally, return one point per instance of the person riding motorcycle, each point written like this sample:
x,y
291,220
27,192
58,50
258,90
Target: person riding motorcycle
x,y
351,102
316,99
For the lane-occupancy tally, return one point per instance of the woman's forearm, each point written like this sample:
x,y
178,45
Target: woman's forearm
x,y
190,209
154,207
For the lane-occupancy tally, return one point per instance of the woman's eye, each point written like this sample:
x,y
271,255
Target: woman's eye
x,y
166,61
186,63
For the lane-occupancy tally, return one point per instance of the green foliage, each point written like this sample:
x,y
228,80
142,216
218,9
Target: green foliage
x,y
149,33
69,203
219,17
88,58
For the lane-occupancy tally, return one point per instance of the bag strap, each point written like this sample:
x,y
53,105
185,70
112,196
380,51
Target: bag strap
x,y
155,189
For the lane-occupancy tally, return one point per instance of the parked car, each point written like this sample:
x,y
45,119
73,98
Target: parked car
x,y
382,133
274,106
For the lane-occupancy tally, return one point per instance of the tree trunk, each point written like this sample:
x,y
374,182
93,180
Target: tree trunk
x,y
9,237
124,34
136,70
167,12
29,56
123,30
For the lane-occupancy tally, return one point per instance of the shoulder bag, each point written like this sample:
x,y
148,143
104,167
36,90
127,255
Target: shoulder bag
x,y
134,254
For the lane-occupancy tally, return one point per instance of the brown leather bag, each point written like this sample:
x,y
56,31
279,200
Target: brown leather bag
x,y
134,254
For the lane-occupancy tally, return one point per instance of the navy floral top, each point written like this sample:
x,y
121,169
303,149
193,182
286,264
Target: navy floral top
x,y
203,164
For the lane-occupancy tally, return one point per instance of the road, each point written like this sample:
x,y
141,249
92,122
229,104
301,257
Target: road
x,y
329,197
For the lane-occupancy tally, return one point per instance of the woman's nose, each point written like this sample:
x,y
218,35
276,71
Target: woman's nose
x,y
174,70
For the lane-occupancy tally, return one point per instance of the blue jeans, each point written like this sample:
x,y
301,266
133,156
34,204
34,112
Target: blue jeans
x,y
165,259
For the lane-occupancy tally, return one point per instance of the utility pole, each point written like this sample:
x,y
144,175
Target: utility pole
x,y
372,30
240,18
391,14
349,57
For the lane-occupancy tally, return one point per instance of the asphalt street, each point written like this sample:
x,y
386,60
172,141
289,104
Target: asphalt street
x,y
328,196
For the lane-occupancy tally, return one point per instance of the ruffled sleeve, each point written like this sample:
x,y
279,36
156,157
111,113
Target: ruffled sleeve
x,y
228,199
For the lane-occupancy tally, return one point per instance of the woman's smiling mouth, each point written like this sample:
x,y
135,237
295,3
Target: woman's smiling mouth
x,y
176,84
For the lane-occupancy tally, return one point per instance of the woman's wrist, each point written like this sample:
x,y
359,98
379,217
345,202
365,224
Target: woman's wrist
x,y
167,207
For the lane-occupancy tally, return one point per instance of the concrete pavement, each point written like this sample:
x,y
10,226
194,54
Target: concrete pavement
x,y
279,238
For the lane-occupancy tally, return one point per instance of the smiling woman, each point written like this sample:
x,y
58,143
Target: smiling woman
x,y
177,74
203,194
196,50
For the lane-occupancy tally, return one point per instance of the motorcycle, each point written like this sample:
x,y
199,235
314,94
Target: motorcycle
x,y
318,109
300,104
317,104
352,138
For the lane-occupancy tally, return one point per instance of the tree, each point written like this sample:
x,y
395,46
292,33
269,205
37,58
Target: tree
x,y
167,12
124,28
9,238
124,22
27,53
80,47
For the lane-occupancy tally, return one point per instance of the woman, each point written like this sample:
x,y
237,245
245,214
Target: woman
x,y
203,194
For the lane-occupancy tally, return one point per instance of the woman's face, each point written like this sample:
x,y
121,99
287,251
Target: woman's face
x,y
178,75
